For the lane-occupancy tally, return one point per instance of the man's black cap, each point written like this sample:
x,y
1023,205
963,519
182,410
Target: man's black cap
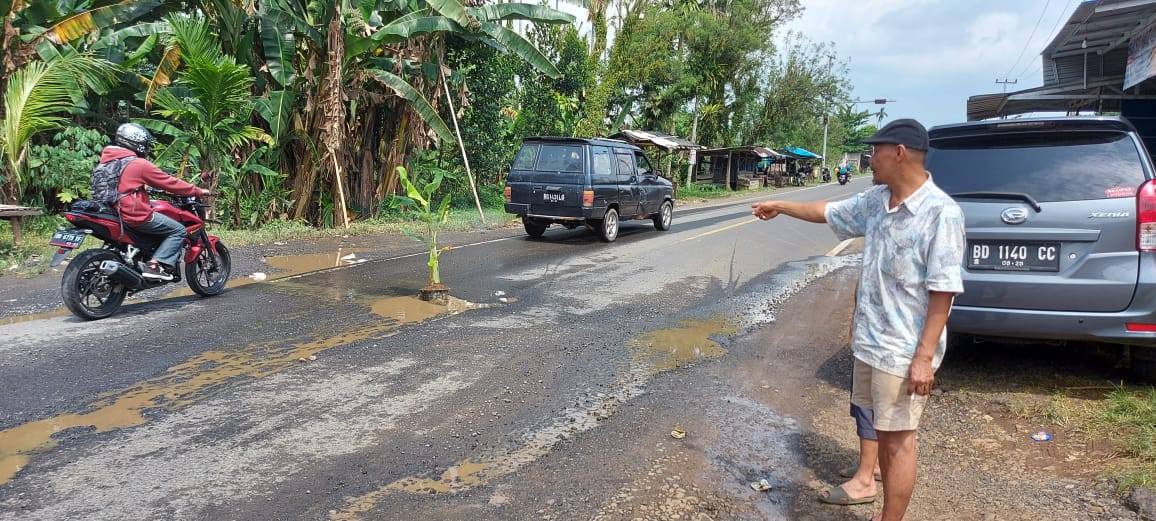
x,y
906,132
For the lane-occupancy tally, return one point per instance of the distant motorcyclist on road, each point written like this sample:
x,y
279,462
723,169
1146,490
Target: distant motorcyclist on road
x,y
120,180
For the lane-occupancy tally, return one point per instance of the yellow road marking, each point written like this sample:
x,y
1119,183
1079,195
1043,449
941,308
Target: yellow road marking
x,y
723,229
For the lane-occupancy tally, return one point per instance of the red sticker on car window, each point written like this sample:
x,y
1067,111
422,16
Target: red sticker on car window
x,y
1120,191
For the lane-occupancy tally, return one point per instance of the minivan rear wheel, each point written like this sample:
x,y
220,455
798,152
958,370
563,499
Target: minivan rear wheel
x,y
534,228
608,226
1144,363
663,217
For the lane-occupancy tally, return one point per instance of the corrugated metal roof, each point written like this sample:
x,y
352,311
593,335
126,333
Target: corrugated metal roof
x,y
1083,66
644,138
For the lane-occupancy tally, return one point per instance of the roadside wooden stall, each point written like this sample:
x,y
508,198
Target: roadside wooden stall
x,y
743,167
15,215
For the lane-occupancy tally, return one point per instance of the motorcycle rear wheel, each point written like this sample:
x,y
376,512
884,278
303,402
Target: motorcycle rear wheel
x,y
88,293
209,272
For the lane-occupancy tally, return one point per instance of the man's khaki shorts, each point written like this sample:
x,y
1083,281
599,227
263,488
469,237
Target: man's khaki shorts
x,y
886,395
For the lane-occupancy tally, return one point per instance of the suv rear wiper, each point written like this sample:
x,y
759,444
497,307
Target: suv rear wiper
x,y
1001,195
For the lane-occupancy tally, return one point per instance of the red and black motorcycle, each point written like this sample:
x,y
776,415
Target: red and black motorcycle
x,y
97,281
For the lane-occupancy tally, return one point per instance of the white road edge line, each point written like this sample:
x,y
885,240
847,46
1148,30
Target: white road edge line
x,y
840,247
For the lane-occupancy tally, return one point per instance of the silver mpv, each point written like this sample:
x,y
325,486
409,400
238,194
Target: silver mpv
x,y
1061,230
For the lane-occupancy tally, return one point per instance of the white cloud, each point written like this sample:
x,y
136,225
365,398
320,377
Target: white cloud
x,y
931,55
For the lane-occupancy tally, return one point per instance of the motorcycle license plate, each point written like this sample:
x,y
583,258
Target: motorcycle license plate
x,y
70,238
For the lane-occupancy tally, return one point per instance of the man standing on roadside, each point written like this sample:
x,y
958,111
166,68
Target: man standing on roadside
x,y
912,260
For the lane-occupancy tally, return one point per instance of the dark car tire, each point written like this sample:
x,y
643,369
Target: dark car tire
x,y
534,228
663,217
1144,363
608,226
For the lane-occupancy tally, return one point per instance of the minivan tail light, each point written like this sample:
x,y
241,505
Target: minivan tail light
x,y
508,191
1146,217
1135,327
588,198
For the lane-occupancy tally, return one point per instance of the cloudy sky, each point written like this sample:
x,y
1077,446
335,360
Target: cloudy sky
x,y
930,55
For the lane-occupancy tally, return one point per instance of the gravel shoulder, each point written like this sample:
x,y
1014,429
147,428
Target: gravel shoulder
x,y
976,456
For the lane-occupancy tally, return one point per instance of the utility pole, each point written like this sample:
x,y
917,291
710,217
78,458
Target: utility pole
x,y
826,118
1005,83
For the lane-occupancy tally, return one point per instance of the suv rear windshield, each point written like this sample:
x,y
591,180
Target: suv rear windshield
x,y
556,158
1048,166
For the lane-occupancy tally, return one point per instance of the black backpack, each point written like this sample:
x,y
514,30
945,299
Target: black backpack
x,y
106,179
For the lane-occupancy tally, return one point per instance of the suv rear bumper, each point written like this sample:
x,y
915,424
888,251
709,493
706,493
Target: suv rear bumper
x,y
579,214
1052,325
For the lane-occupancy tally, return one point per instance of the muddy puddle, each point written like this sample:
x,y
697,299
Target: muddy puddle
x,y
209,373
650,354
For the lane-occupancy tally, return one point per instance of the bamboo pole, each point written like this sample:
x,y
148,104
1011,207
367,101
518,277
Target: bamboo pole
x,y
340,189
458,132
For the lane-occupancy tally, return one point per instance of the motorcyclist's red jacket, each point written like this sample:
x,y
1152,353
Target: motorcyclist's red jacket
x,y
135,207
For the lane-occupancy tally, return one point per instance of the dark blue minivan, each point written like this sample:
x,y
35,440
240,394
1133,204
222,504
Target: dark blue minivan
x,y
590,182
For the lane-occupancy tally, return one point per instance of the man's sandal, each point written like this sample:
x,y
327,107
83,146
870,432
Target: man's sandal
x,y
838,496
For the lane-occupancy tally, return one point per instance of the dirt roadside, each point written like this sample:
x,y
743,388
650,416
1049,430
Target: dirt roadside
x,y
977,460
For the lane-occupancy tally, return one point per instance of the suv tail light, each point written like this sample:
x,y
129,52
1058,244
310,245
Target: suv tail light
x,y
588,198
508,191
1146,217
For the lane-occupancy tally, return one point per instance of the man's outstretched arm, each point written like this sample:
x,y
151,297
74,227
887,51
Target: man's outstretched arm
x,y
813,211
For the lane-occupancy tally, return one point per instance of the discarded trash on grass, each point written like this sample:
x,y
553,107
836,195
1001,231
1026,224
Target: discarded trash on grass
x,y
761,485
1042,436
678,433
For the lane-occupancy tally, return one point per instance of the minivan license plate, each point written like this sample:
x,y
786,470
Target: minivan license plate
x,y
1013,255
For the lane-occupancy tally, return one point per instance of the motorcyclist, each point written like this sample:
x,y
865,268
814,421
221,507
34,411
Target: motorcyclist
x,y
131,146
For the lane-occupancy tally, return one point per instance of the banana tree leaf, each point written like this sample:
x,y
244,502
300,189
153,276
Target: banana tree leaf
x,y
5,8
522,47
79,25
534,13
165,71
417,100
141,30
297,23
367,8
454,10
409,26
278,43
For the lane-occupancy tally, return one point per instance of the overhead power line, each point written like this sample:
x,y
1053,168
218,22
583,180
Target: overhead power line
x,y
1055,26
1030,36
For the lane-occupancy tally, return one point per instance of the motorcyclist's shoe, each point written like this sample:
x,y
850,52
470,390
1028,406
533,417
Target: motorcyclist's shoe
x,y
156,272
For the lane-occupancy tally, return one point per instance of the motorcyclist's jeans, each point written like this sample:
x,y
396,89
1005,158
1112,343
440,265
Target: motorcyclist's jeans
x,y
169,251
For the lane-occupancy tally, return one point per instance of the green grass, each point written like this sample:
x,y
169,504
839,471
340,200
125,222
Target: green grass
x,y
1128,416
1124,415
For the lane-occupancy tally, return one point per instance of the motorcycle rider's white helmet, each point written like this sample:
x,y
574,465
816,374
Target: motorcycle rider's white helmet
x,y
136,138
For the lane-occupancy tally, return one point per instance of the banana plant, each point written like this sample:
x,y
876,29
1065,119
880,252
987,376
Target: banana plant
x,y
373,69
419,202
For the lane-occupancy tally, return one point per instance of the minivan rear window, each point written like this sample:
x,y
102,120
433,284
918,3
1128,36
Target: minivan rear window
x,y
526,156
1048,166
560,158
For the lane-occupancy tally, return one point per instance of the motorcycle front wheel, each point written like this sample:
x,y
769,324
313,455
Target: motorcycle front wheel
x,y
209,272
88,293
